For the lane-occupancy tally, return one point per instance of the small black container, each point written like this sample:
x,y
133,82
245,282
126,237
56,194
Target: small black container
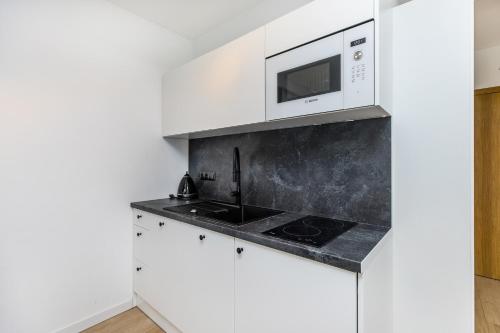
x,y
187,189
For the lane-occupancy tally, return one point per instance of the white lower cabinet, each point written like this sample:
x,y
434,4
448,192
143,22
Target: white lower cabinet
x,y
199,282
186,274
197,279
278,292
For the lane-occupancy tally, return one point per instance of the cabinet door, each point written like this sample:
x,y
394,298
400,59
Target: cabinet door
x,y
197,276
223,88
281,293
314,20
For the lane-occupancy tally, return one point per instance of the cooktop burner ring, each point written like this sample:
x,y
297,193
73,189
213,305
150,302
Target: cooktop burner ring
x,y
304,230
311,230
318,223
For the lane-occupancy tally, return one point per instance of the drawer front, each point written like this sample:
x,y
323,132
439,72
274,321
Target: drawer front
x,y
143,244
148,220
146,283
141,274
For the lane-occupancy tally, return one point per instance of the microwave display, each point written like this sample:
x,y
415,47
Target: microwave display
x,y
317,78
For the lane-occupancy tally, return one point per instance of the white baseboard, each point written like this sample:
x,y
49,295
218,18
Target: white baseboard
x,y
161,321
97,318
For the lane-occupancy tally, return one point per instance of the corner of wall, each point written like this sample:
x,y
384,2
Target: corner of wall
x,y
95,319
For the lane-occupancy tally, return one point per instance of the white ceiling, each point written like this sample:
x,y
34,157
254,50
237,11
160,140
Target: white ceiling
x,y
487,30
188,18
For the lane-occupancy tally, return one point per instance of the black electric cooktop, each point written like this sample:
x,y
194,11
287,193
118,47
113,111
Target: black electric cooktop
x,y
311,230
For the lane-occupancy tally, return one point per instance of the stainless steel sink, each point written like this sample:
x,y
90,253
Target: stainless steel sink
x,y
226,212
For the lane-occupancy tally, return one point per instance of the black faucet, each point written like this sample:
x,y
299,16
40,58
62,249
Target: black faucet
x,y
237,176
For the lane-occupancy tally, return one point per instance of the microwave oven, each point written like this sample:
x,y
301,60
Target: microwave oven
x,y
333,73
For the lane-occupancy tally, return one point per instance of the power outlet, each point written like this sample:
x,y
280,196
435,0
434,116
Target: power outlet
x,y
207,176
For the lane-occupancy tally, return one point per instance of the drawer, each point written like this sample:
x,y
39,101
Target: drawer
x,y
146,283
143,244
148,220
141,276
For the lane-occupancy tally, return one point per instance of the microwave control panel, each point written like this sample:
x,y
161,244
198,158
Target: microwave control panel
x,y
359,66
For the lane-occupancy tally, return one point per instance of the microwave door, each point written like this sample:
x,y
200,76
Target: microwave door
x,y
305,80
317,78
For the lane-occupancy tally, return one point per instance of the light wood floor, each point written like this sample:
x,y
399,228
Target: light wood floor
x,y
487,305
131,321
487,314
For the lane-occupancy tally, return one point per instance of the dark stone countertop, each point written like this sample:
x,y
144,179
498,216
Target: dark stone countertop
x,y
346,251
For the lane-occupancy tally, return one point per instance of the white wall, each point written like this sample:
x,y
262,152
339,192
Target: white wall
x,y
252,19
487,67
80,138
432,137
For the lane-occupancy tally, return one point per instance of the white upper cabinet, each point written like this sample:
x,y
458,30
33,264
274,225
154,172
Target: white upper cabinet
x,y
223,88
224,91
314,20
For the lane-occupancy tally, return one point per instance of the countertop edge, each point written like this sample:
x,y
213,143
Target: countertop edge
x,y
277,244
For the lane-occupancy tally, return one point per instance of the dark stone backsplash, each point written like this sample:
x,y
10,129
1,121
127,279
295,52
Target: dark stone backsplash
x,y
340,170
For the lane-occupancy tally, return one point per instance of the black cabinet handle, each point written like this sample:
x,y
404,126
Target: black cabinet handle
x,y
161,224
139,234
239,250
139,269
139,216
202,237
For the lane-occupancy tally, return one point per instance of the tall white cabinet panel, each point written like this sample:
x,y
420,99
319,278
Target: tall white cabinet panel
x,y
433,297
223,88
197,279
314,20
279,292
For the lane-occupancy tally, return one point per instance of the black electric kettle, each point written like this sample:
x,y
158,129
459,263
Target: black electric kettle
x,y
187,189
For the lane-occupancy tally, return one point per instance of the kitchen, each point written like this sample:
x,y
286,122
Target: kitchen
x,y
316,192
